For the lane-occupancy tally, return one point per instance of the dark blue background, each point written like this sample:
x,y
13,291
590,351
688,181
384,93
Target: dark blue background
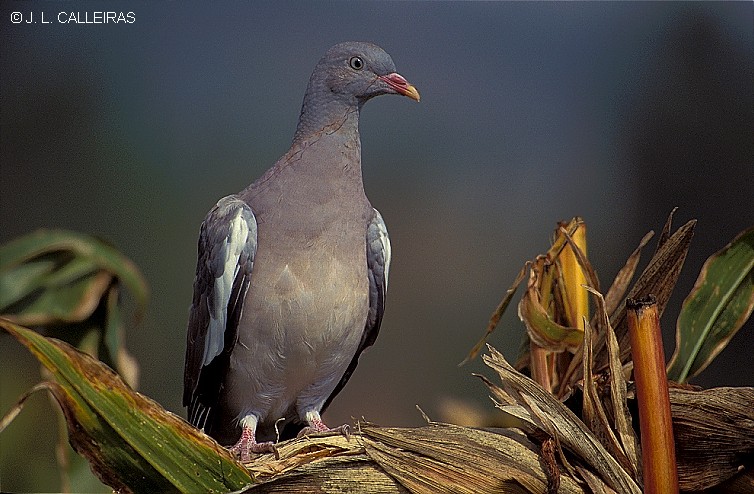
x,y
530,113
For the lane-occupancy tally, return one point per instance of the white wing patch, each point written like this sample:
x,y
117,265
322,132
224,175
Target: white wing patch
x,y
238,235
385,240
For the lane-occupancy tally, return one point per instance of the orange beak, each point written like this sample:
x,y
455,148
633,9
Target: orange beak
x,y
401,85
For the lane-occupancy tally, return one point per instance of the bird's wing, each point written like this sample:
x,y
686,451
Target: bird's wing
x,y
378,266
227,246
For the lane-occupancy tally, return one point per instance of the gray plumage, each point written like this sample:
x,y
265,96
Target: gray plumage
x,y
292,271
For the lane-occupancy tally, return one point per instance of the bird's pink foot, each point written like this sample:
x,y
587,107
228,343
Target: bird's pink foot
x,y
248,445
317,426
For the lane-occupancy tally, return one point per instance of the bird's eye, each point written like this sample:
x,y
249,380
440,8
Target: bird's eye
x,y
356,63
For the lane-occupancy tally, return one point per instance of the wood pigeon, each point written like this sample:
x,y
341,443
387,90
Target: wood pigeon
x,y
292,271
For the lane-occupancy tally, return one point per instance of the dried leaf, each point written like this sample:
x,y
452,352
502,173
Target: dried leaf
x,y
621,415
547,452
714,434
593,412
321,463
432,458
596,485
448,458
617,290
309,453
658,278
552,415
19,405
665,233
495,318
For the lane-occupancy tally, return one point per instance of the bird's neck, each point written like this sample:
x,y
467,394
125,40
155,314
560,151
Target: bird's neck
x,y
330,154
322,111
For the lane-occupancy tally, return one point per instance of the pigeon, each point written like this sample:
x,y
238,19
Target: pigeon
x,y
292,271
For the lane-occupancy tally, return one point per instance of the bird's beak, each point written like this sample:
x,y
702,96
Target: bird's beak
x,y
400,85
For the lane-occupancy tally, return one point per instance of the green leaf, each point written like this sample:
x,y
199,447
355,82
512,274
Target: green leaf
x,y
22,280
543,330
35,266
115,353
719,304
532,311
131,442
70,303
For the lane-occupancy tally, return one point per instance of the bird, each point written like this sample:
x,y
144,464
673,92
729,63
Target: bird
x,y
292,271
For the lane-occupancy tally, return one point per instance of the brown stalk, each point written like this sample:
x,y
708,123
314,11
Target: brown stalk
x,y
540,370
657,444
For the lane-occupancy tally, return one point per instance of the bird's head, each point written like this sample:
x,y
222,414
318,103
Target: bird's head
x,y
359,71
348,75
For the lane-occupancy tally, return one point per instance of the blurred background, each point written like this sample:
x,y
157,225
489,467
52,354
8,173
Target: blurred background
x,y
530,113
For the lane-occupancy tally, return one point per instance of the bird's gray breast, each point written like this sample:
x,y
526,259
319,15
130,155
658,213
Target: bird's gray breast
x,y
306,309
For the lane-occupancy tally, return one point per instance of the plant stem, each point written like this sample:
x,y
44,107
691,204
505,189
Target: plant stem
x,y
540,370
657,443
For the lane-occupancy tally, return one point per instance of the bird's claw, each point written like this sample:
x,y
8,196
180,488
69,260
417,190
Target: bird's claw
x,y
345,430
245,447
